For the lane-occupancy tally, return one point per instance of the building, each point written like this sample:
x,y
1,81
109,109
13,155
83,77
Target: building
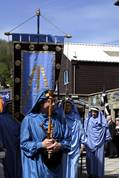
x,y
113,101
89,69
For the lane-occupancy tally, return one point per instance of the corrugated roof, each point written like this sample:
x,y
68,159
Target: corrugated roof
x,y
92,53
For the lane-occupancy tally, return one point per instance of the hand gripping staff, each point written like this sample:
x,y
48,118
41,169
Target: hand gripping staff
x,y
50,126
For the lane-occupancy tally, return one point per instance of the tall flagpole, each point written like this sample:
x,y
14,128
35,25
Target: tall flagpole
x,y
38,20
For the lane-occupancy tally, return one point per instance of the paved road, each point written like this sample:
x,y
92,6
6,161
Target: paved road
x,y
2,155
111,168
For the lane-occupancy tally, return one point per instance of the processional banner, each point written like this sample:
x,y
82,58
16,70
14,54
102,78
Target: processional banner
x,y
38,72
37,60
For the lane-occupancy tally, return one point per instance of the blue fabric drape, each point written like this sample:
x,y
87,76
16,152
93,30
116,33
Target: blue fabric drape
x,y
71,159
38,72
10,140
98,134
32,135
41,38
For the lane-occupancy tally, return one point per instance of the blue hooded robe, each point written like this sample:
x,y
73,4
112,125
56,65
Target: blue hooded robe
x,y
97,132
10,141
71,159
33,132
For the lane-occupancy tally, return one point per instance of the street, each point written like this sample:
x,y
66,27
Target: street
x,y
111,168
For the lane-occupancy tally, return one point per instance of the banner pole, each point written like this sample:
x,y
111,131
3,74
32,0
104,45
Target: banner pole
x,y
38,21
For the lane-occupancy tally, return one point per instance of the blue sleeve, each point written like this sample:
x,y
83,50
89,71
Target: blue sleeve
x,y
85,124
83,134
107,132
28,146
66,141
107,135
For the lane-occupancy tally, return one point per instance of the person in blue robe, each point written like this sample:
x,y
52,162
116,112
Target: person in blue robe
x,y
10,142
71,159
97,130
35,146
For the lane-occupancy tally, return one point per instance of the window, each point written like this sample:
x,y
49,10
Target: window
x,y
66,77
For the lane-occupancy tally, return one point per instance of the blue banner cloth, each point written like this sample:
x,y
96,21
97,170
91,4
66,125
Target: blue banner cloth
x,y
9,140
38,72
41,38
6,95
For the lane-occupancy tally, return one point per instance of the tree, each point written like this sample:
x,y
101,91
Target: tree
x,y
6,66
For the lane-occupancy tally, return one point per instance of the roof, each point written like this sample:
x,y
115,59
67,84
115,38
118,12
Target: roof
x,y
91,53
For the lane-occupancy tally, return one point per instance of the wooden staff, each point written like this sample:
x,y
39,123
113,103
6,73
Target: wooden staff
x,y
50,127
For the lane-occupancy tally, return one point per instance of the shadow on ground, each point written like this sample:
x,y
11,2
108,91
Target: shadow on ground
x,y
112,176
83,175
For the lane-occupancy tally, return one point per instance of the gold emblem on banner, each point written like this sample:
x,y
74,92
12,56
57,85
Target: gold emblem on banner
x,y
36,69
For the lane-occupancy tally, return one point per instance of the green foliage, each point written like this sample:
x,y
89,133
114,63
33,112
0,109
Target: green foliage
x,y
6,66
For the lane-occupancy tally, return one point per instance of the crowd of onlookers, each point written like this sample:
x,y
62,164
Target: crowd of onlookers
x,y
112,147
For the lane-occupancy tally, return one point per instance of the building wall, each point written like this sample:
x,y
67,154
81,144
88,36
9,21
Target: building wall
x,y
92,77
113,100
88,79
65,65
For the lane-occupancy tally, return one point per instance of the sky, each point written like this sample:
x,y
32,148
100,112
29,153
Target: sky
x,y
87,21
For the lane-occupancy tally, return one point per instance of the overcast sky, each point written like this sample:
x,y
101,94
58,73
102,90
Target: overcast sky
x,y
88,21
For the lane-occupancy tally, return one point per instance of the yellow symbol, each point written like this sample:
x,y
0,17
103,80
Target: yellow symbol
x,y
36,69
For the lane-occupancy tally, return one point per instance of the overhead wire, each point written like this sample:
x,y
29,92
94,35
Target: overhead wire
x,y
112,42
